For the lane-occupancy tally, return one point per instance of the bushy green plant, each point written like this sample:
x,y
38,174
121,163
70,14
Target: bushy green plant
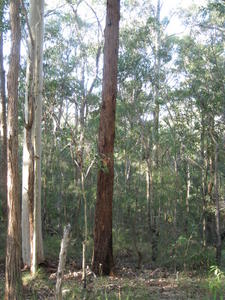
x,y
189,253
216,282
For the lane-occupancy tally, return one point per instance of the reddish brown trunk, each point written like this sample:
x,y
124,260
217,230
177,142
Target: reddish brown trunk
x,y
3,125
103,253
13,284
3,135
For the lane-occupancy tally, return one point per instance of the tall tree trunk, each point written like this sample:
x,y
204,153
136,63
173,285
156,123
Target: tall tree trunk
x,y
217,202
85,228
155,138
157,84
203,179
13,284
31,203
3,133
188,186
148,197
103,252
39,27
28,167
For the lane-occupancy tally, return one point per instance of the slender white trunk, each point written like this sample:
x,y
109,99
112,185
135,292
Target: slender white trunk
x,y
32,238
157,66
188,188
25,218
27,161
38,27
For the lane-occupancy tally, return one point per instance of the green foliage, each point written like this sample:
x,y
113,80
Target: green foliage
x,y
190,86
191,96
4,22
216,283
190,254
52,242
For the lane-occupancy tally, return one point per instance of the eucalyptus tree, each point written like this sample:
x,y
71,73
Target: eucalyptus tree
x,y
102,261
155,132
3,119
13,283
32,242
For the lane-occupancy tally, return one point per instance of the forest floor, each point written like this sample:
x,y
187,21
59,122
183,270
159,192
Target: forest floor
x,y
127,283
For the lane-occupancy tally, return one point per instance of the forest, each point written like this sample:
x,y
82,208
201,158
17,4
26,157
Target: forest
x,y
112,149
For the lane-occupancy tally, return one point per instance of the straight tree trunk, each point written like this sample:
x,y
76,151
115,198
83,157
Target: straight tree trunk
x,y
149,196
157,67
103,252
188,186
28,167
13,284
155,138
32,242
39,27
217,213
3,133
203,179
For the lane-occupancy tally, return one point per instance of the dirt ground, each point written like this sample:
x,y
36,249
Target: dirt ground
x,y
126,283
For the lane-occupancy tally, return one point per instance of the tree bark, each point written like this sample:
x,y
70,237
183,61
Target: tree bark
x,y
217,212
103,252
28,167
31,203
188,187
155,137
203,178
13,283
157,65
3,134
